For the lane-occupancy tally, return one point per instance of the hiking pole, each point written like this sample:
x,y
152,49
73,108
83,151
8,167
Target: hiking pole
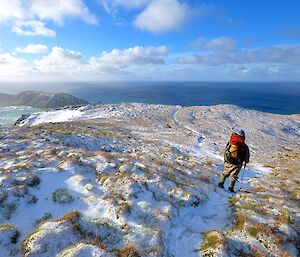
x,y
242,179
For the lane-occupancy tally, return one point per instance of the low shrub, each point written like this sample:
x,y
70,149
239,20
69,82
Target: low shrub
x,y
62,196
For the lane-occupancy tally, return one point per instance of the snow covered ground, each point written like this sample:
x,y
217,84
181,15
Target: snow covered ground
x,y
140,180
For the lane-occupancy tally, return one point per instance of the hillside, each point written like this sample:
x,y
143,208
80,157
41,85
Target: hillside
x,y
39,99
6,99
140,180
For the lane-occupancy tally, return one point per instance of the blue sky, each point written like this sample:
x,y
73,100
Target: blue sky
x,y
67,40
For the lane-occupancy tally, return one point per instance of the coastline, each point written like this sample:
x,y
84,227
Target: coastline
x,y
10,114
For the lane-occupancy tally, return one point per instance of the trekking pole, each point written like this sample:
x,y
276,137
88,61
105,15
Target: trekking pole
x,y
242,179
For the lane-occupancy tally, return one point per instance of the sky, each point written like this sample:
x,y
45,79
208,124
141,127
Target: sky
x,y
149,40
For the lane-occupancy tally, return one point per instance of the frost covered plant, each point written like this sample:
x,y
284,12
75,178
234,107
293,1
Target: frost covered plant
x,y
33,181
212,240
233,200
32,200
72,217
256,229
128,251
3,196
9,231
46,216
62,196
240,221
8,210
284,218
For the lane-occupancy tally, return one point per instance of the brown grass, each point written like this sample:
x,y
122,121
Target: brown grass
x,y
128,251
270,166
211,240
259,189
96,241
295,195
240,221
258,253
255,229
233,200
124,207
284,218
209,162
72,217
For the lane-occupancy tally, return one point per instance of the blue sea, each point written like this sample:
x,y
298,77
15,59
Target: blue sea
x,y
273,97
9,115
281,98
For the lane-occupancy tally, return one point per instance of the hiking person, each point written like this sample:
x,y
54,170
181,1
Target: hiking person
x,y
236,155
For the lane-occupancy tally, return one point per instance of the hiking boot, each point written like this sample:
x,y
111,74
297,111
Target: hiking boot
x,y
221,185
231,190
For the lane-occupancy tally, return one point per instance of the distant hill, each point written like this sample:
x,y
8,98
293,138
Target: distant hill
x,y
40,99
5,99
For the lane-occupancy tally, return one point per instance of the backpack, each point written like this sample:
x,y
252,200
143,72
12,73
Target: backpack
x,y
234,149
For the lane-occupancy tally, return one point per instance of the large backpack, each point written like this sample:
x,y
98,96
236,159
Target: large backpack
x,y
234,149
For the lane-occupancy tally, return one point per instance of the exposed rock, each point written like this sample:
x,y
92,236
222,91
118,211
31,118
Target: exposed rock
x,y
23,117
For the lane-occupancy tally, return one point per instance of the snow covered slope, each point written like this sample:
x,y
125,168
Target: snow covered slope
x,y
140,180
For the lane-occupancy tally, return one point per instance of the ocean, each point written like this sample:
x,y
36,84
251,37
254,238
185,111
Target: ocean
x,y
9,115
281,98
274,97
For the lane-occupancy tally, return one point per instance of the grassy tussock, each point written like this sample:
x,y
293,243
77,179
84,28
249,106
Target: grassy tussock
x,y
128,251
255,229
233,200
240,221
212,240
72,216
259,189
284,218
14,238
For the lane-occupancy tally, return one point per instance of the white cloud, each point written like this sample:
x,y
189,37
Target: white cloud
x,y
132,56
223,50
155,63
58,10
111,5
221,44
11,9
12,67
32,49
29,17
60,60
32,28
128,62
163,15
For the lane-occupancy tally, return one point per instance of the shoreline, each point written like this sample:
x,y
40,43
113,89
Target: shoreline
x,y
23,110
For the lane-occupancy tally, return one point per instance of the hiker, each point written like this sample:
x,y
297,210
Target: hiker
x,y
236,155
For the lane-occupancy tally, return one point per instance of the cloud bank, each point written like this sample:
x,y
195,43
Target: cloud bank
x,y
212,59
32,49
